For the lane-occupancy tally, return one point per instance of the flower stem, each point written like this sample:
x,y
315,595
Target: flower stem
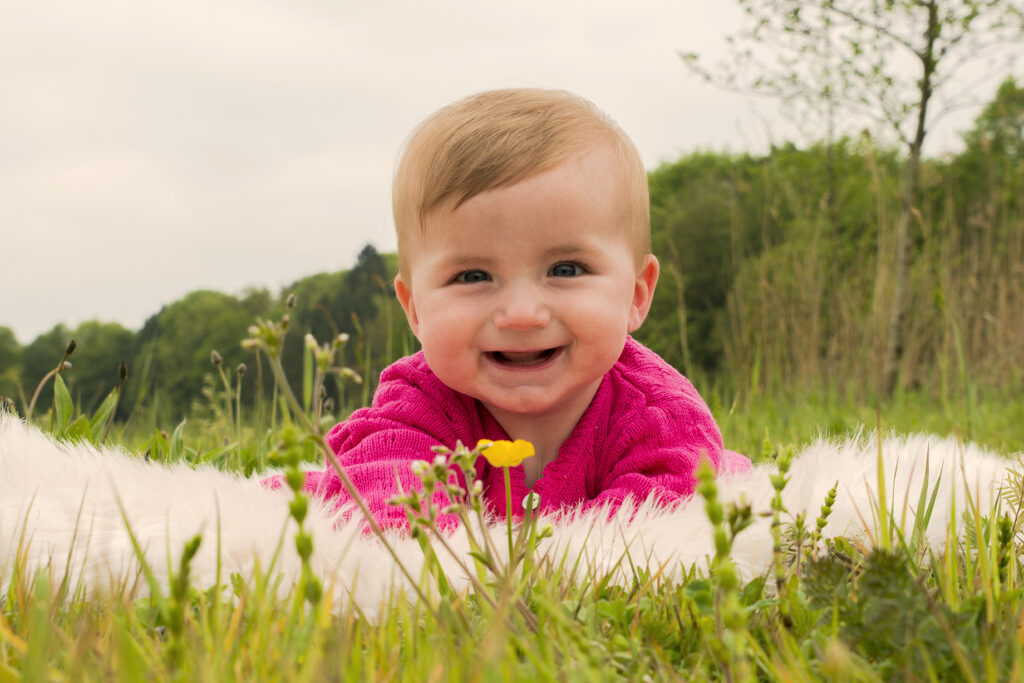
x,y
508,512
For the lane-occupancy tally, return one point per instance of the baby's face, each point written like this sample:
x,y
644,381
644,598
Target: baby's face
x,y
523,296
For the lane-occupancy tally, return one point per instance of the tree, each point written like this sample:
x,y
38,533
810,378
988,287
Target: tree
x,y
10,364
174,345
345,301
890,60
366,283
990,171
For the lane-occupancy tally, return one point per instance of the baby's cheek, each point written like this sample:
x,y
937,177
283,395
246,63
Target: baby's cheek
x,y
604,319
450,366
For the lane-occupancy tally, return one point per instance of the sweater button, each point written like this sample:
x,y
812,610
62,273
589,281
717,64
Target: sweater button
x,y
531,501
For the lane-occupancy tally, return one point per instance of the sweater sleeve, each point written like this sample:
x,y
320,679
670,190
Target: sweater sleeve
x,y
377,446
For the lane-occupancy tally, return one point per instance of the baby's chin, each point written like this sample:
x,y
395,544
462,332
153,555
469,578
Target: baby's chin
x,y
539,401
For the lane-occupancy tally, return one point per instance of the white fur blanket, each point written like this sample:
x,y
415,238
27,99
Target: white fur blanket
x,y
61,506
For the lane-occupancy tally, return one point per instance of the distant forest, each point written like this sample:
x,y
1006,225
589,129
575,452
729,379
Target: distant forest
x,y
775,276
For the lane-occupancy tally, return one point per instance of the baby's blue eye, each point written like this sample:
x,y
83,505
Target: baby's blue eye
x,y
565,270
471,276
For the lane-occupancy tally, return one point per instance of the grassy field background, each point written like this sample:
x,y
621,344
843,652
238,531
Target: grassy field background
x,y
829,609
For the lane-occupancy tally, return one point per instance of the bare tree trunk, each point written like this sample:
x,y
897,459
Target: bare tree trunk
x,y
894,336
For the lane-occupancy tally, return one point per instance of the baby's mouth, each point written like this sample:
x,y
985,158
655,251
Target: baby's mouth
x,y
523,359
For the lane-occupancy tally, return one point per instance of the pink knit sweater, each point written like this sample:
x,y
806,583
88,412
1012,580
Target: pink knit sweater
x,y
643,435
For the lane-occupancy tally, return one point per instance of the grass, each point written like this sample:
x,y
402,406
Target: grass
x,y
828,609
845,614
997,423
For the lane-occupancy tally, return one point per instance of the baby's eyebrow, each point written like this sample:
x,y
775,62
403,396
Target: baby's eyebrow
x,y
465,261
568,249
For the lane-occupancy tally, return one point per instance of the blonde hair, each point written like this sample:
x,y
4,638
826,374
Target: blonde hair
x,y
497,138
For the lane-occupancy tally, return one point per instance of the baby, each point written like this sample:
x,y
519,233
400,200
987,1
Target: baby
x,y
524,264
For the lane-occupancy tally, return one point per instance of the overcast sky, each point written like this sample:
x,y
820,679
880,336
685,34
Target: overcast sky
x,y
151,148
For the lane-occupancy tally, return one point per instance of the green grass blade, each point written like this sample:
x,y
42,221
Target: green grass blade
x,y
62,404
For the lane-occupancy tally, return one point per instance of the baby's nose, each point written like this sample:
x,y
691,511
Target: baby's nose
x,y
522,308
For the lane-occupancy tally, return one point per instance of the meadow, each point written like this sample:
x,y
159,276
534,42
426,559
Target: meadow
x,y
829,609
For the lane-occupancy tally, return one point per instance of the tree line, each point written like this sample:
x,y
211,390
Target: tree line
x,y
170,359
778,270
776,274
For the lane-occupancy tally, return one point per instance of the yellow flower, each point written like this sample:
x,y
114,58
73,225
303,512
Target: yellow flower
x,y
505,453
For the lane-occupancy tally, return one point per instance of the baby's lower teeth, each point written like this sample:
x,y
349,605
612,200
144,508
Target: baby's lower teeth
x,y
522,358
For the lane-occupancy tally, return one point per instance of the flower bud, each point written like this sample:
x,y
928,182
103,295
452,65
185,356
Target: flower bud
x,y
122,370
66,365
310,341
289,303
298,507
304,545
313,591
72,345
241,369
215,357
295,479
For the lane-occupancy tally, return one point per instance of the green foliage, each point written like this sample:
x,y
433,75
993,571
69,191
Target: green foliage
x,y
704,210
986,180
776,276
39,357
178,340
10,364
751,247
102,347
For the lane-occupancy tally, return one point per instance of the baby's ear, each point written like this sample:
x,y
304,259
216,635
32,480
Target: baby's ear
x,y
643,291
404,293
